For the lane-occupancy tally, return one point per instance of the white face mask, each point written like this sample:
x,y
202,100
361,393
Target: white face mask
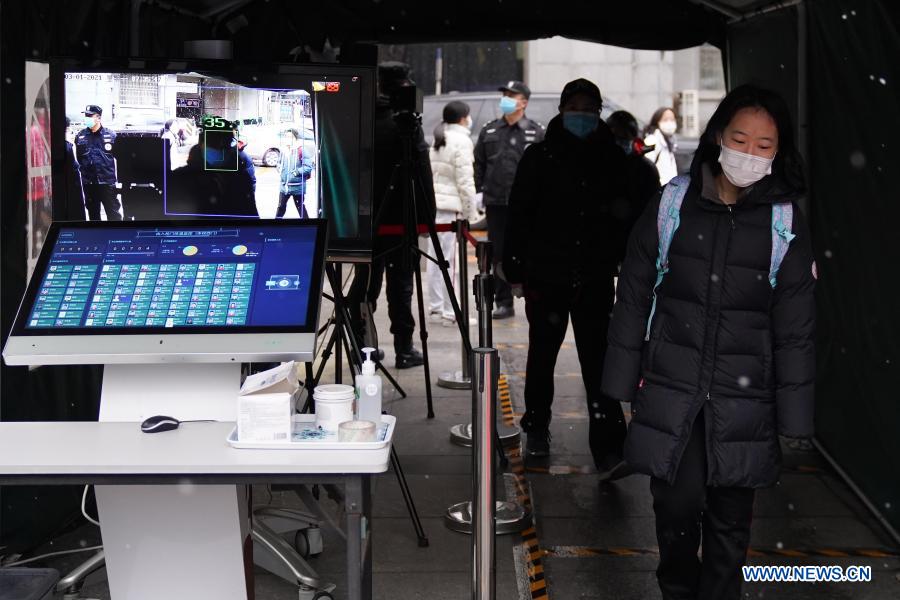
x,y
668,127
743,169
468,123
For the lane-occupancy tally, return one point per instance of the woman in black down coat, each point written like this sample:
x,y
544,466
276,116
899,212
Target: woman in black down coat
x,y
729,361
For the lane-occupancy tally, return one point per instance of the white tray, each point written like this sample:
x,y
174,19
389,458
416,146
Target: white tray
x,y
383,436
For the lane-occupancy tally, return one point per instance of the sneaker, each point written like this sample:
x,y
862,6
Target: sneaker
x,y
503,312
451,322
612,467
409,358
435,316
538,444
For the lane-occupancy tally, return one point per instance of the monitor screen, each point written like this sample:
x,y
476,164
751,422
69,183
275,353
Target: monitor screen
x,y
223,141
203,276
200,291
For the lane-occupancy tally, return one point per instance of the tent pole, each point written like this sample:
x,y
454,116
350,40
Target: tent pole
x,y
769,8
802,95
135,38
893,533
720,8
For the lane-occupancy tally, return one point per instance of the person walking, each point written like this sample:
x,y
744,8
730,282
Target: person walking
x,y
642,177
712,340
660,133
295,169
565,261
452,157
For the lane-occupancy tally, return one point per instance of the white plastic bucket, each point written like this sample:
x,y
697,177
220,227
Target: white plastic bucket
x,y
334,405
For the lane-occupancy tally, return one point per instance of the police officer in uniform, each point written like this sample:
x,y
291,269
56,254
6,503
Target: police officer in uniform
x,y
94,151
500,146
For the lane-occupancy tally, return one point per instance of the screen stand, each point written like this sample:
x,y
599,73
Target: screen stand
x,y
174,541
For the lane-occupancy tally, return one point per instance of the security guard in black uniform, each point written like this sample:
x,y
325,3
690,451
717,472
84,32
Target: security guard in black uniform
x,y
94,151
500,146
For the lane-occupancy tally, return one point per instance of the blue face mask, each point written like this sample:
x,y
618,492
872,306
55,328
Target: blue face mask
x,y
581,124
626,145
508,105
89,122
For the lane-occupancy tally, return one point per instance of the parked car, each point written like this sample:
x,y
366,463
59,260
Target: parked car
x,y
264,142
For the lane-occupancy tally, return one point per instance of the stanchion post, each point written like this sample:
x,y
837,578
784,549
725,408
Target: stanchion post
x,y
463,261
508,517
485,369
484,283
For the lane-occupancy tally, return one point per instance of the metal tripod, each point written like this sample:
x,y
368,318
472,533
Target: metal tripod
x,y
418,214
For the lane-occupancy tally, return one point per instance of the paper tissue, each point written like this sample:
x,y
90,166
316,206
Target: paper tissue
x,y
266,405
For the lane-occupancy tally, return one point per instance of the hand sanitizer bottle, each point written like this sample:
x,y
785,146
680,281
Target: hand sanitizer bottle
x,y
368,391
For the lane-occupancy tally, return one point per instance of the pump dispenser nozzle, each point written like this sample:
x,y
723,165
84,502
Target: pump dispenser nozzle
x,y
368,366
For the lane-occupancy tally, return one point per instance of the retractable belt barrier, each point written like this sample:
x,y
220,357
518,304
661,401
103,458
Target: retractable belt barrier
x,y
485,436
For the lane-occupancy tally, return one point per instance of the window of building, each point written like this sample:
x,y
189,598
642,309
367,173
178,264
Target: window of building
x,y
139,90
712,75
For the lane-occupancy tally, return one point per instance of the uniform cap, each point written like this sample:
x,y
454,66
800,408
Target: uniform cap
x,y
516,87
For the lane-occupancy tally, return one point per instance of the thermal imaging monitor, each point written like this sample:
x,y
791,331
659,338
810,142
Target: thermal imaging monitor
x,y
184,291
220,140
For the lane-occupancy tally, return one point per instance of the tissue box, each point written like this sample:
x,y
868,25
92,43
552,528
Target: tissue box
x,y
265,417
266,405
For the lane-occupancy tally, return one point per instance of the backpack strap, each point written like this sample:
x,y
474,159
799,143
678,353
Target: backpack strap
x,y
667,220
782,236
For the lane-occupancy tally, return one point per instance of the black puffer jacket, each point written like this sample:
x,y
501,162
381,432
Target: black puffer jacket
x,y
722,339
569,209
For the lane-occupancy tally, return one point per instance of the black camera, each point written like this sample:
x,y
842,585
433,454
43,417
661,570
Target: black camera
x,y
407,99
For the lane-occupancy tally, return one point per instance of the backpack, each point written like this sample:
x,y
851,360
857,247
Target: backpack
x,y
669,217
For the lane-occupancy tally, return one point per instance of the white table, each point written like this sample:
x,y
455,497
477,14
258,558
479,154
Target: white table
x,y
116,454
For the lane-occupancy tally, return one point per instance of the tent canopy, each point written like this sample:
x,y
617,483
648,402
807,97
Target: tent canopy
x,y
272,28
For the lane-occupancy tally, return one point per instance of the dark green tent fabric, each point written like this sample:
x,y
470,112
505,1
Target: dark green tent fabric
x,y
854,99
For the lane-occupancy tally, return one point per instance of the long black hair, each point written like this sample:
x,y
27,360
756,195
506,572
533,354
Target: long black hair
x,y
653,125
454,112
788,164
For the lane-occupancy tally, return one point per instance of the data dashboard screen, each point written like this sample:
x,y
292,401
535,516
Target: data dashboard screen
x,y
108,278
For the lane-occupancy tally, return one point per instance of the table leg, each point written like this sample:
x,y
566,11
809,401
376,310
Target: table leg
x,y
358,509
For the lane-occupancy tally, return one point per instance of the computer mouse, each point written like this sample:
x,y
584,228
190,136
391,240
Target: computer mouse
x,y
159,423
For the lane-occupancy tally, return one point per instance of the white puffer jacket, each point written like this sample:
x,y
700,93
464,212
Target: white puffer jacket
x,y
454,174
661,156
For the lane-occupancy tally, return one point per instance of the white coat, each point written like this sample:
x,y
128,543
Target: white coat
x,y
661,156
454,173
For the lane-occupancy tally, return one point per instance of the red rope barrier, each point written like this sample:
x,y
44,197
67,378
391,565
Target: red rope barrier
x,y
421,228
471,238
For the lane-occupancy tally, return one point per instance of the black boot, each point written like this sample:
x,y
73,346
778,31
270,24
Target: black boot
x,y
503,312
409,358
538,443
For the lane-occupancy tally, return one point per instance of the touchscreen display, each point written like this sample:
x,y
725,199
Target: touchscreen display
x,y
122,278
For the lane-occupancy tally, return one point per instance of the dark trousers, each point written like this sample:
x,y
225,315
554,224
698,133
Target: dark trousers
x,y
689,513
96,194
366,288
497,216
548,307
298,202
